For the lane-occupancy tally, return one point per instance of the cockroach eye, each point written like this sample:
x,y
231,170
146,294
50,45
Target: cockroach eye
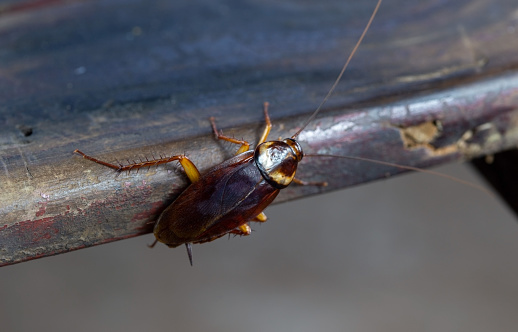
x,y
295,146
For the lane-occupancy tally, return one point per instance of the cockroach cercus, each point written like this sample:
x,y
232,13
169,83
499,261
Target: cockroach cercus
x,y
230,195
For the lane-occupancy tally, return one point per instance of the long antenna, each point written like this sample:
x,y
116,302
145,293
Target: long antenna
x,y
341,72
410,168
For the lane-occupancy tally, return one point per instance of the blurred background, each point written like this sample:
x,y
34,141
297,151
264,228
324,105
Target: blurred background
x,y
414,252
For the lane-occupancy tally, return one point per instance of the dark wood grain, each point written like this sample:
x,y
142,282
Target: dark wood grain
x,y
135,79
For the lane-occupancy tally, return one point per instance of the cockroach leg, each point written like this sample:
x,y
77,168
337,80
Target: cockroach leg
x,y
244,144
261,217
266,131
244,230
190,169
152,245
309,183
115,167
219,135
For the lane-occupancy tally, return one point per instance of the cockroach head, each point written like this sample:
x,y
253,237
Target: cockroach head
x,y
277,161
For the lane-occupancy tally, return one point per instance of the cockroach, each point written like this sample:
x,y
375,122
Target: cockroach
x,y
230,195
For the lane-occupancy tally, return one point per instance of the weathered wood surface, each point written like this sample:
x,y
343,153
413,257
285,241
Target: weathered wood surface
x,y
132,79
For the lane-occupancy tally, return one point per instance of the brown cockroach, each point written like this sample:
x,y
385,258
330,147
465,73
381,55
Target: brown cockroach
x,y
230,195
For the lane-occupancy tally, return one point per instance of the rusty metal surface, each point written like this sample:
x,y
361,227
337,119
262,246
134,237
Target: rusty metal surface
x,y
433,82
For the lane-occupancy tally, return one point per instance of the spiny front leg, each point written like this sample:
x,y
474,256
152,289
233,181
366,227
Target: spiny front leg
x,y
268,127
219,135
244,144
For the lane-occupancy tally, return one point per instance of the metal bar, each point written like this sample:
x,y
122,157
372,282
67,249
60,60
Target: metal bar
x,y
141,80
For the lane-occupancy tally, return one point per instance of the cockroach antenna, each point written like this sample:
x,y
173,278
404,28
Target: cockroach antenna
x,y
333,87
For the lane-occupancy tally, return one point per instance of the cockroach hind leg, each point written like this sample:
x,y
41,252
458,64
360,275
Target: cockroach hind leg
x,y
261,217
95,160
189,168
189,251
243,230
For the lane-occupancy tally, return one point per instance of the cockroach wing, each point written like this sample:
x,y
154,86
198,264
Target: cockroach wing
x,y
227,196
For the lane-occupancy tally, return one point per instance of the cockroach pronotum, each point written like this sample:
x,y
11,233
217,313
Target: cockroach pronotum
x,y
230,195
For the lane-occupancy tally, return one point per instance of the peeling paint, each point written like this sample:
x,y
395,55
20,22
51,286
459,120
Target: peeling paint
x,y
419,136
